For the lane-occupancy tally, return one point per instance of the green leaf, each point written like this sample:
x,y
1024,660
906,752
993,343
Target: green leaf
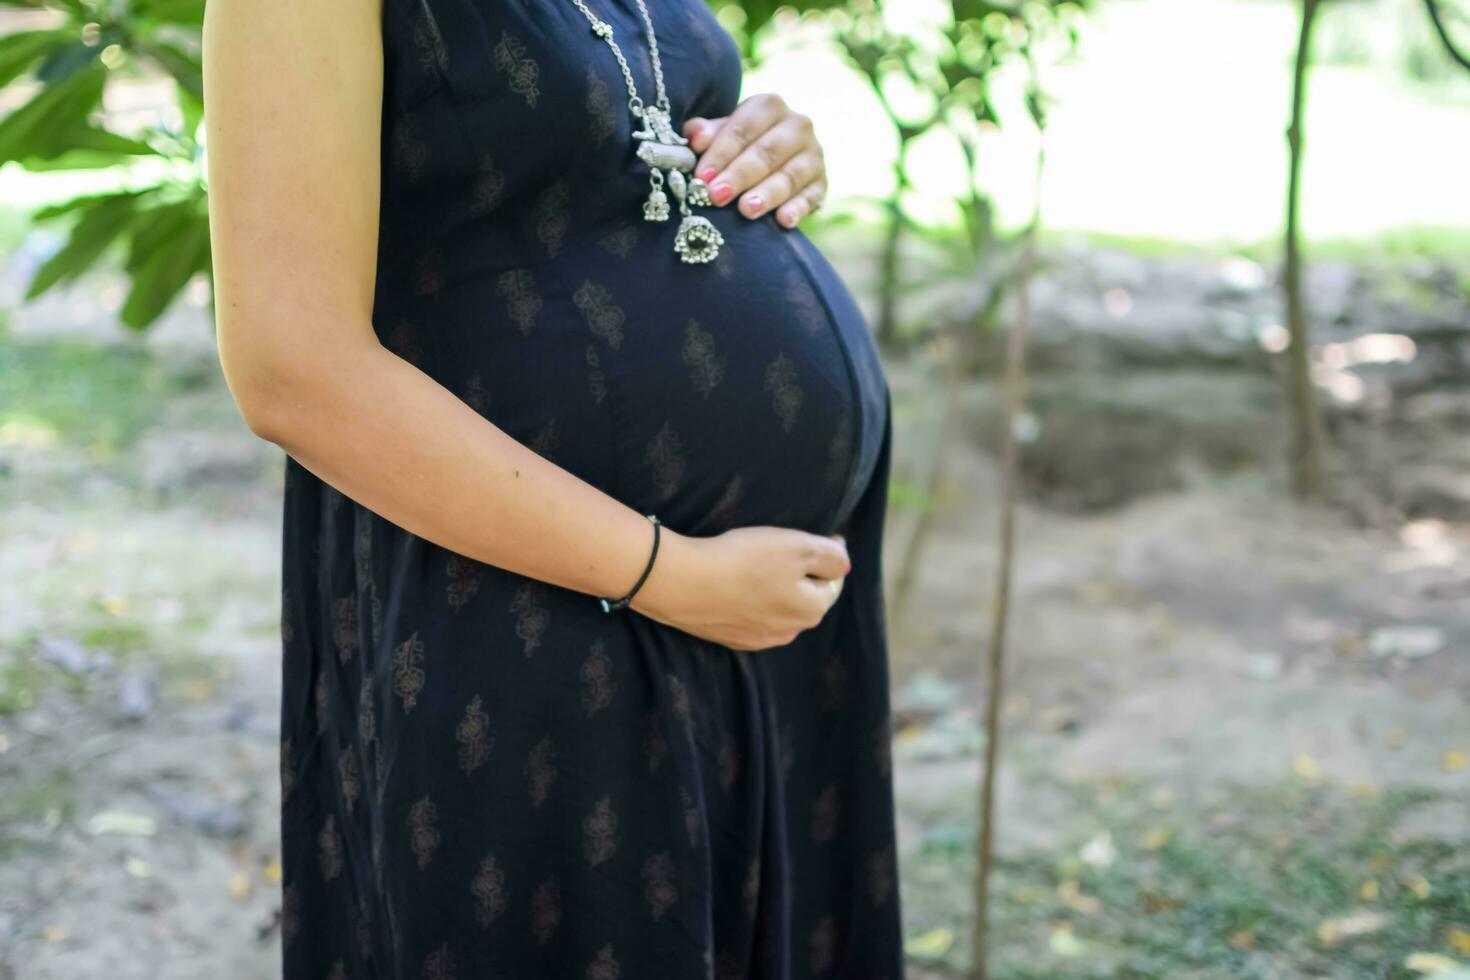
x,y
37,128
20,50
66,60
153,228
165,271
103,220
171,11
80,202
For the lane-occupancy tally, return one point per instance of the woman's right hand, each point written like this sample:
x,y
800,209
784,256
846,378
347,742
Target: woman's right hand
x,y
749,588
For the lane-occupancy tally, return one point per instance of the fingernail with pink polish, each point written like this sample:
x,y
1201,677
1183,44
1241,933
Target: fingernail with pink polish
x,y
753,203
707,174
721,192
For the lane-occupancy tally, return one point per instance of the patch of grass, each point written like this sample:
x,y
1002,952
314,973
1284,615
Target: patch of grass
x,y
84,394
51,798
1284,880
1396,246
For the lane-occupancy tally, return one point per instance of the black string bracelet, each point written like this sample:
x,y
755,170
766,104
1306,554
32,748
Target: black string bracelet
x,y
608,605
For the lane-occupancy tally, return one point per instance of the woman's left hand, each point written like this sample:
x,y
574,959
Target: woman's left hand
x,y
766,153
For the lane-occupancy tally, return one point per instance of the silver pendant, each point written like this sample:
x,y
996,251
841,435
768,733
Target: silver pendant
x,y
656,208
698,240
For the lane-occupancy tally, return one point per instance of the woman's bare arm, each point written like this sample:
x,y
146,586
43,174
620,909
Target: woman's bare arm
x,y
294,102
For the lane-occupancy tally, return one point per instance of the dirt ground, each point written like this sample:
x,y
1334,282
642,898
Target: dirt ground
x,y
1192,670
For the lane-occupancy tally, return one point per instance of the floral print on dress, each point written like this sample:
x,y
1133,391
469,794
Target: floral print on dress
x,y
596,380
600,832
489,889
600,110
473,735
319,696
832,681
692,822
822,952
546,440
428,273
552,215
546,910
664,456
705,363
659,890
408,674
348,778
476,396
329,848
881,875
429,43
604,966
598,686
532,617
488,188
541,769
751,888
464,579
439,965
423,830
679,695
604,317
826,811
655,745
288,769
522,71
785,392
620,242
729,762
803,299
409,153
522,302
290,913
344,626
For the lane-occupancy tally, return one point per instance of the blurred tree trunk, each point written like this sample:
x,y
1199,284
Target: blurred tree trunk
x,y
1010,477
1308,465
888,274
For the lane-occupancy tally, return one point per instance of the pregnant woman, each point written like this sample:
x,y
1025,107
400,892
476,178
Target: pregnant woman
x,y
586,470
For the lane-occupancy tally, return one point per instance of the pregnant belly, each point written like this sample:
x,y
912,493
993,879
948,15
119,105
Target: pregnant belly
x,y
744,391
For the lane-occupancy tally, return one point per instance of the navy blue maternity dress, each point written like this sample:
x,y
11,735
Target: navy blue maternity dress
x,y
484,776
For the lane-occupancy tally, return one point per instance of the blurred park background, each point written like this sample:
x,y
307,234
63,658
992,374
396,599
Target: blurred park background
x,y
1236,715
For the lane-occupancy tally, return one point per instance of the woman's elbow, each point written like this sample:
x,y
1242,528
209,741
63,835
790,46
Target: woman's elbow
x,y
258,382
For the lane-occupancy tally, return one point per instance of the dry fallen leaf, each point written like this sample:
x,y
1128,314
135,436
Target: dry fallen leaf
x,y
1369,891
1243,940
1432,963
1455,760
930,945
54,934
1156,838
272,871
1460,940
1065,943
1307,768
239,886
1332,931
1419,885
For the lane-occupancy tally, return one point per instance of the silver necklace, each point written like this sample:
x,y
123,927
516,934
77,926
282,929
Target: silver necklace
x,y
697,240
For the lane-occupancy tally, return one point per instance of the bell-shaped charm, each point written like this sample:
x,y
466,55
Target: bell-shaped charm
x,y
656,208
698,239
699,193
